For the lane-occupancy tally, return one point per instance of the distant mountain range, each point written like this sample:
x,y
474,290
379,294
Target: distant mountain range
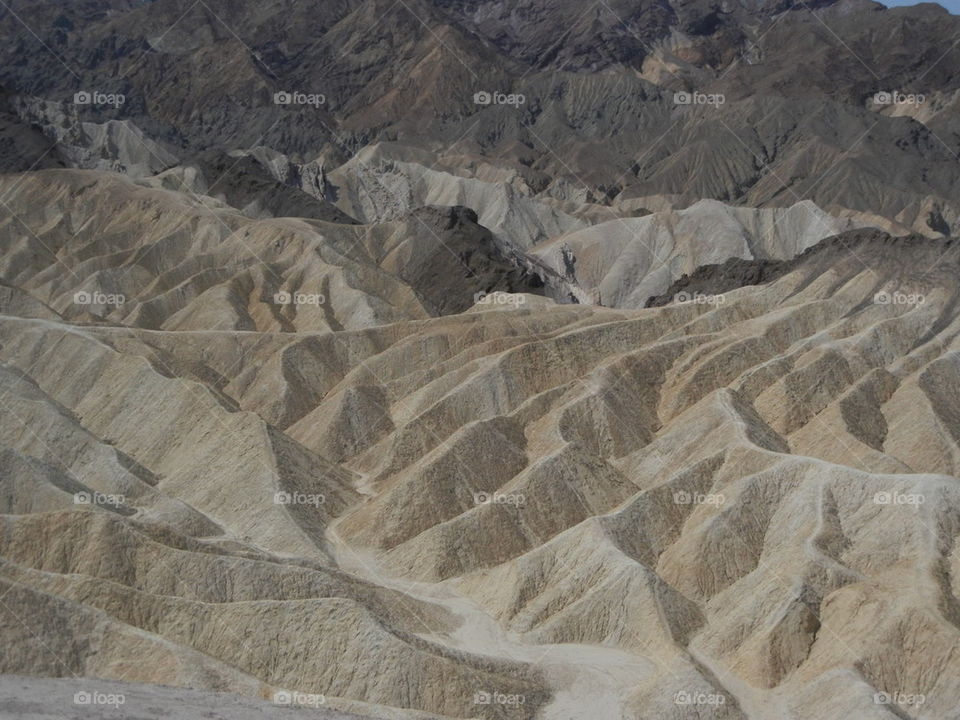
x,y
847,103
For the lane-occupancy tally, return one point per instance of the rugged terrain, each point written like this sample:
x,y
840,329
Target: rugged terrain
x,y
599,122
747,495
404,403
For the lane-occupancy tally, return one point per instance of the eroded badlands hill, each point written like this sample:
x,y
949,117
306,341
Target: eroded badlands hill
x,y
735,505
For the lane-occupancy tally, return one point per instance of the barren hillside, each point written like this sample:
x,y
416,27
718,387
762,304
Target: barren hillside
x,y
441,360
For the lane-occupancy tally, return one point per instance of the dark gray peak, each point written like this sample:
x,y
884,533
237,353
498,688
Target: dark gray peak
x,y
850,51
720,278
447,218
23,145
450,260
567,122
908,258
245,183
207,73
194,69
571,35
568,35
772,150
385,65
